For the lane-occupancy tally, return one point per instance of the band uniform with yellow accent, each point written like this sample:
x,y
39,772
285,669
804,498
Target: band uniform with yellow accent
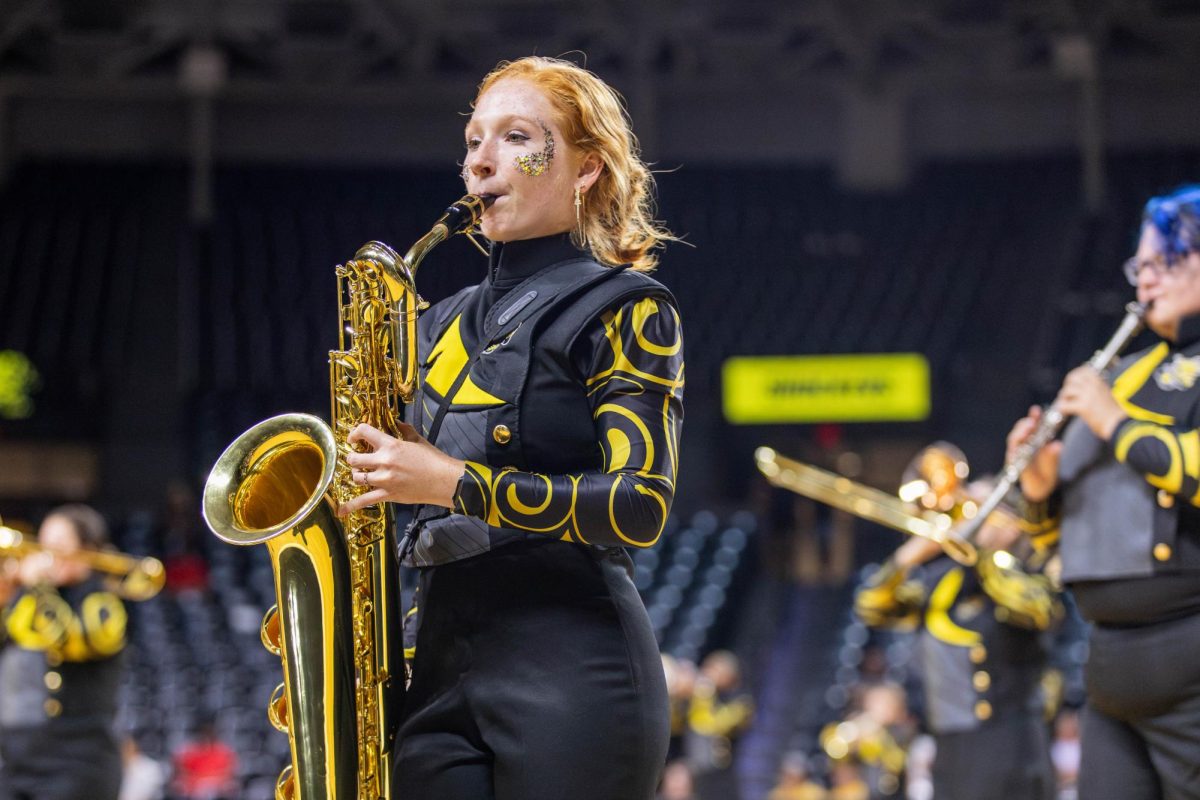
x,y
587,446
1134,507
59,672
982,645
559,381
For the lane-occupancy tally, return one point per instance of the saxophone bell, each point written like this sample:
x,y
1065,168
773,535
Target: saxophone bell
x,y
336,624
272,486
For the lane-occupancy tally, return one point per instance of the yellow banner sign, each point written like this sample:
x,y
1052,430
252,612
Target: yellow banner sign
x,y
889,387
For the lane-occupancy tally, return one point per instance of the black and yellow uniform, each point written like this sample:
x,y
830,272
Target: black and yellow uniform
x,y
535,672
1131,557
59,672
715,720
983,655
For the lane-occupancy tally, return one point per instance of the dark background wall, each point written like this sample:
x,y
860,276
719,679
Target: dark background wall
x,y
959,179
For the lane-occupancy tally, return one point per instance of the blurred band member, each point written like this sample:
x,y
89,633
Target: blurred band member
x,y
59,669
719,713
1125,484
982,656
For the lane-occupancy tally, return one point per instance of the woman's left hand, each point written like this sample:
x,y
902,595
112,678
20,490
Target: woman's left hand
x,y
404,470
1084,394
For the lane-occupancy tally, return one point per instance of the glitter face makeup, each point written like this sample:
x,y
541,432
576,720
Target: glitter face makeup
x,y
536,164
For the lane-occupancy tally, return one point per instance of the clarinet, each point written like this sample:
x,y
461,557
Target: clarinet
x,y
1048,427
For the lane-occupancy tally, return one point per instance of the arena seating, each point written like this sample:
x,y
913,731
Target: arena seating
x,y
195,654
993,270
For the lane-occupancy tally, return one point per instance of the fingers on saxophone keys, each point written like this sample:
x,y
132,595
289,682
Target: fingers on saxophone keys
x,y
362,501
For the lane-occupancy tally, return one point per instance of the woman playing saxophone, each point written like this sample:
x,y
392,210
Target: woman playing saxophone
x,y
542,442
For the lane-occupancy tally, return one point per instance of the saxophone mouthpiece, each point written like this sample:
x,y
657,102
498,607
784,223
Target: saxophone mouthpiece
x,y
464,214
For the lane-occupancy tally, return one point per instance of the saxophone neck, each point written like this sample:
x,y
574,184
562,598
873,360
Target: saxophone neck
x,y
416,254
461,217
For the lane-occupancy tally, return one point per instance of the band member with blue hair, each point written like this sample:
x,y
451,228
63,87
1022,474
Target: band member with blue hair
x,y
1124,483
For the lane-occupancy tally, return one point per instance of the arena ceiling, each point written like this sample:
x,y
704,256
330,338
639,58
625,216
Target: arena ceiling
x,y
65,62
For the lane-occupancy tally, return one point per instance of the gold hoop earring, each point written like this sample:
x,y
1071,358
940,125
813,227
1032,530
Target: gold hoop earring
x,y
579,217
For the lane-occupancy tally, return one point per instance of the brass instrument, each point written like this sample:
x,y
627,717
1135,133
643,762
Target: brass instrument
x,y
863,501
134,578
336,622
1050,424
936,479
870,743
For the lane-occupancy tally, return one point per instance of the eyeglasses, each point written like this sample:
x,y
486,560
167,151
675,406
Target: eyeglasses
x,y
1161,266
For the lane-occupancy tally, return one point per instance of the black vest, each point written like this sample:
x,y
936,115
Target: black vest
x,y
974,667
470,401
1112,519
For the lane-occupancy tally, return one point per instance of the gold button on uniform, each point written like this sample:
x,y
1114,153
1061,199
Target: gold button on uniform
x,y
1162,551
981,681
53,681
501,434
53,707
1165,498
983,709
978,654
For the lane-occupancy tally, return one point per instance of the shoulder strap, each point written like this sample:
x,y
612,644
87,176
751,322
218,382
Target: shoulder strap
x,y
628,285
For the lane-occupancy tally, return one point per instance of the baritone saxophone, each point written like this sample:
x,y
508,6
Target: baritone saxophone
x,y
336,621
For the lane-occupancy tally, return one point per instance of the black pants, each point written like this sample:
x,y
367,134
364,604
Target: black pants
x,y
1141,726
1006,758
62,763
536,677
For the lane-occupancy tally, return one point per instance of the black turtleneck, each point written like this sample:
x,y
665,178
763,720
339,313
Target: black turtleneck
x,y
510,263
1188,333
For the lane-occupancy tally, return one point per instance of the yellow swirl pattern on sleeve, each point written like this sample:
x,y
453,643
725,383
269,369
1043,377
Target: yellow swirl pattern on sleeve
x,y
636,394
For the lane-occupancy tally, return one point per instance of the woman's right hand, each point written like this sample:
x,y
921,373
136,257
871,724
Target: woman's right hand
x,y
1040,478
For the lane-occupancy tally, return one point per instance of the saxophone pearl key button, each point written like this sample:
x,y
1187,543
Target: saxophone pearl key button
x,y
501,434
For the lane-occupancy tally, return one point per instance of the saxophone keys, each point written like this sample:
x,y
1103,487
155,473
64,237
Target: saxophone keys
x,y
270,633
277,709
285,786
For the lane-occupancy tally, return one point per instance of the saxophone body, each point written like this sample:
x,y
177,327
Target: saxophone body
x,y
336,622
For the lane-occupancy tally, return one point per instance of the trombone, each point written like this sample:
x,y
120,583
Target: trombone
x,y
865,502
136,578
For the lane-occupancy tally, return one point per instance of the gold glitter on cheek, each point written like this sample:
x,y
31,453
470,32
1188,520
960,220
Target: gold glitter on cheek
x,y
536,164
